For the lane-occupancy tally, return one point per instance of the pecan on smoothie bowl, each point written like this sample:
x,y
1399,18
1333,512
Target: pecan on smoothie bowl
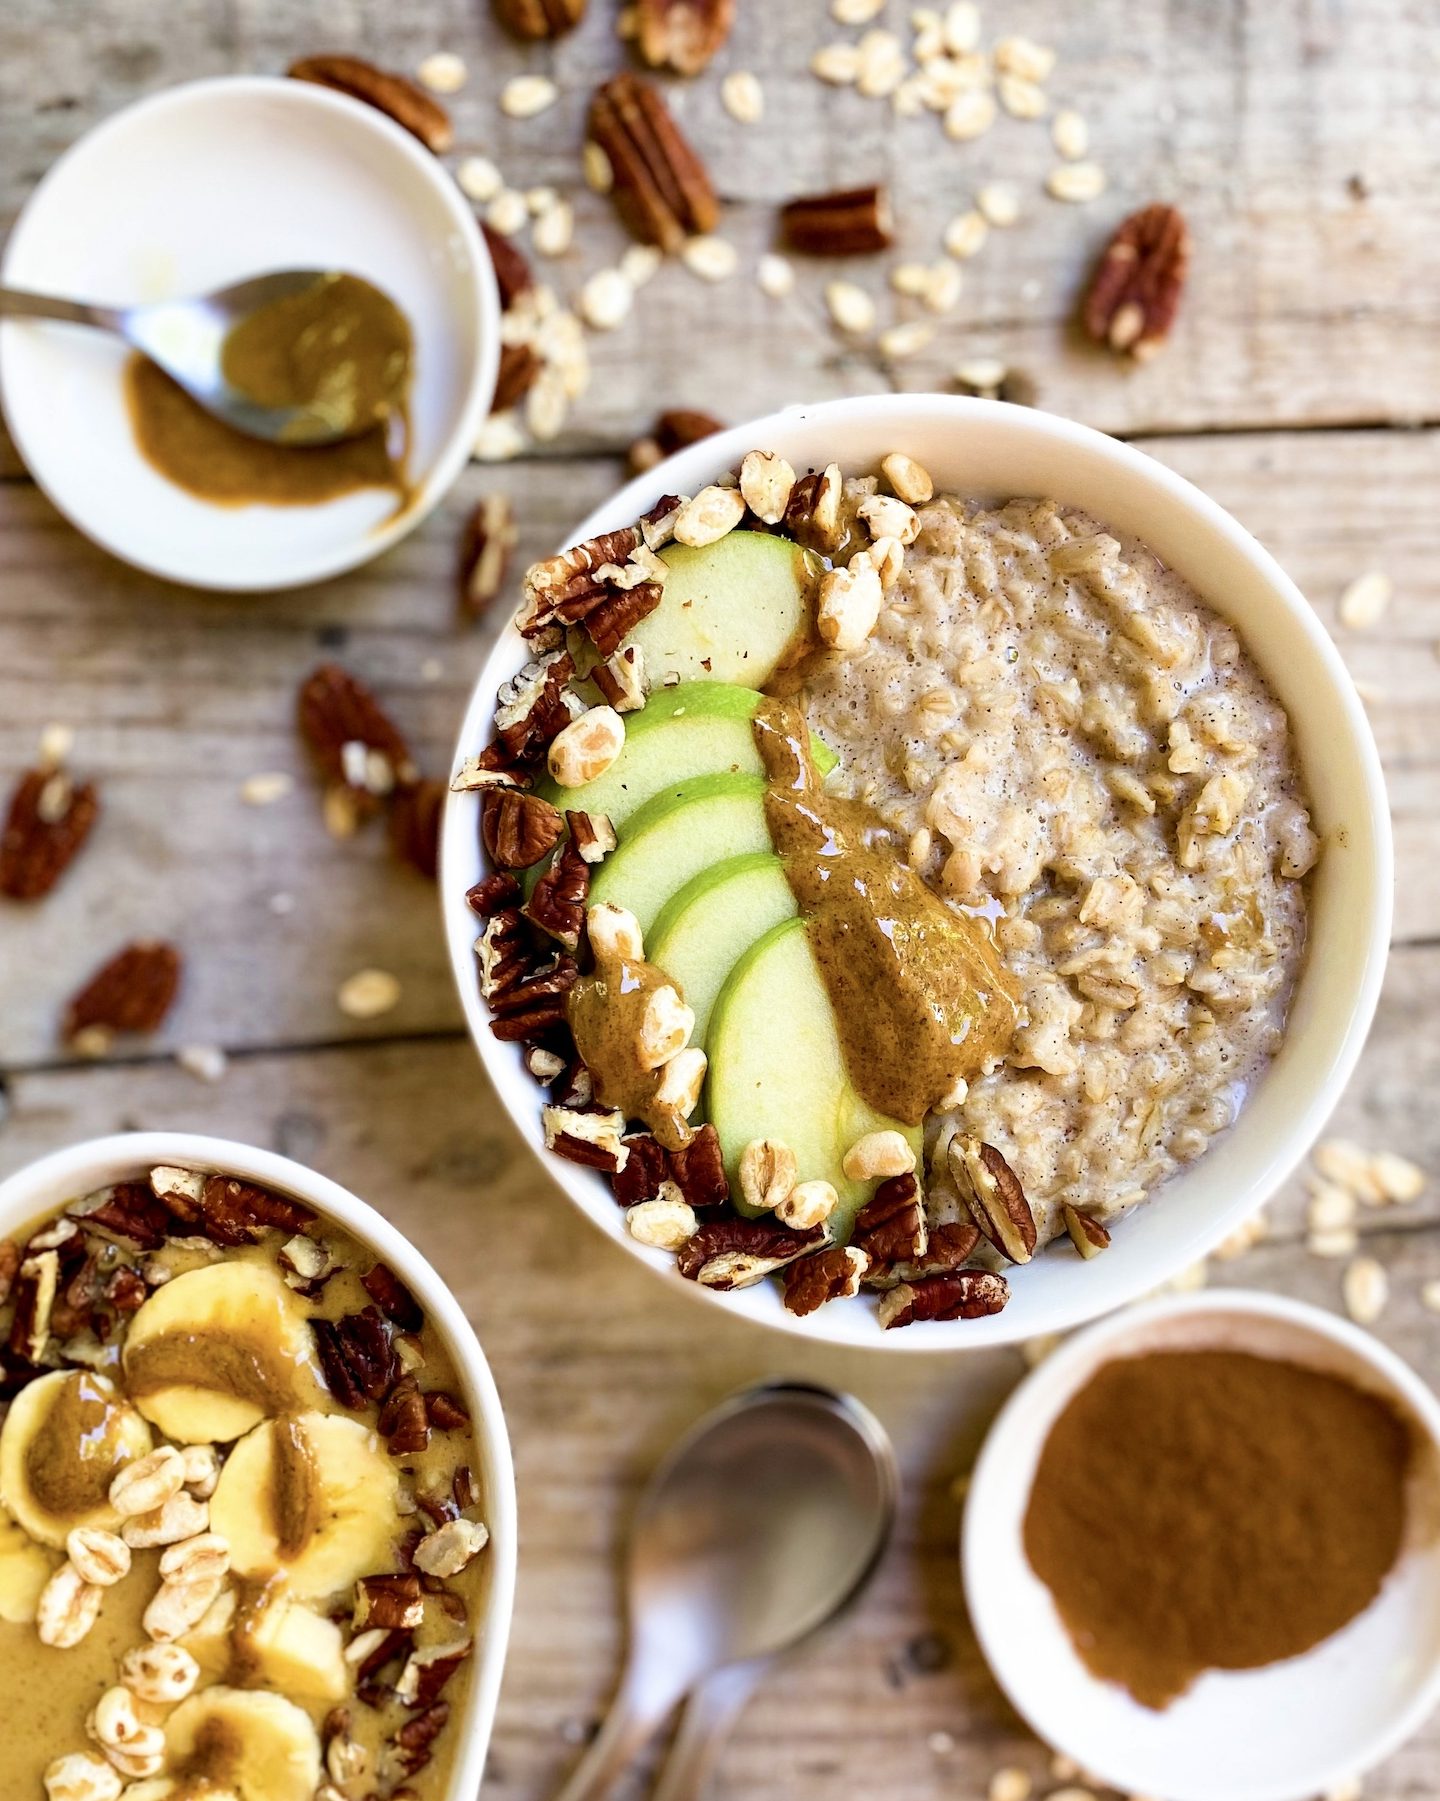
x,y
242,1539
882,883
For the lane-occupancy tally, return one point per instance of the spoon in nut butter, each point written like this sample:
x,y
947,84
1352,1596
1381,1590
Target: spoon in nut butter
x,y
760,1526
301,357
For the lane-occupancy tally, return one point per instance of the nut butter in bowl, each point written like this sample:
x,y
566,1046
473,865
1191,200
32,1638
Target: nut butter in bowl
x,y
256,1504
205,185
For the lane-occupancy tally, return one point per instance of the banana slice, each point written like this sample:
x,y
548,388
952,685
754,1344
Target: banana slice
x,y
65,1436
285,1645
217,1350
25,1568
314,1497
245,1742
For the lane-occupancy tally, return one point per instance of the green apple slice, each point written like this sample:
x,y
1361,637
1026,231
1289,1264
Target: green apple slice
x,y
675,835
777,1070
703,930
730,612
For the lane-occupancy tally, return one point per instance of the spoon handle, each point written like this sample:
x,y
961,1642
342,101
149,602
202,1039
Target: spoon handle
x,y
16,303
706,1723
639,1707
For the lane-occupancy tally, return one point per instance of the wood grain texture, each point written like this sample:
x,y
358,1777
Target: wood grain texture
x,y
1299,137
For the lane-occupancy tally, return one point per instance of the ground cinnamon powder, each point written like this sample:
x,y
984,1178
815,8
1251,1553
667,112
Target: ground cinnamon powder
x,y
1198,1510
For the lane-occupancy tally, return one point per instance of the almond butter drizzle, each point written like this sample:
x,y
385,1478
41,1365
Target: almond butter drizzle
x,y
77,1450
223,1362
606,1009
294,1491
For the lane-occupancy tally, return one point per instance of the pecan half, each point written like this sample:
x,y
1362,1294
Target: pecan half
x,y
846,222
392,1603
513,274
661,190
891,1225
356,1356
352,738
1135,291
684,35
698,1171
967,1294
128,1212
518,829
611,622
557,902
126,1291
832,1275
492,894
131,993
48,821
415,824
392,1297
646,1166
680,427
234,1213
992,1192
486,545
561,589
394,95
518,372
540,18
536,988
1087,1235
503,953
403,1421
950,1247
737,1253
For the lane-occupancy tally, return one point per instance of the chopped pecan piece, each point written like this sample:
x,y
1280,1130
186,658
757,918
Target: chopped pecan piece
x,y
9,1267
593,1139
465,1488
737,1253
409,106
403,1422
891,1225
661,190
684,35
233,1212
513,274
537,986
485,549
444,1412
414,1741
519,829
1087,1235
503,951
36,1285
492,894
681,427
610,622
76,1300
427,1671
592,834
49,819
129,1212
557,901
561,589
657,527
621,679
381,1648
353,740
1135,291
646,1166
540,18
391,1603
812,515
519,371
534,705
847,222
950,1248
698,1171
575,1088
415,824
392,1297
126,1291
356,1357
131,993
966,1294
832,1275
989,1188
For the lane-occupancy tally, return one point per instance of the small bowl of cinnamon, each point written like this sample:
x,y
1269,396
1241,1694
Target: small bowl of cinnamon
x,y
1202,1550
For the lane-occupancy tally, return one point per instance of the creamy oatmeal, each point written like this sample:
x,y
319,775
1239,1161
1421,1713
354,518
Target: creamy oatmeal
x,y
1063,734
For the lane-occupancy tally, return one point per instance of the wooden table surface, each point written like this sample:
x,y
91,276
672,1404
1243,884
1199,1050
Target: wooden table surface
x,y
1302,390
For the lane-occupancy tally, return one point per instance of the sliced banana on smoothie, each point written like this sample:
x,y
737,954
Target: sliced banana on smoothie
x,y
217,1350
65,1438
243,1742
313,1497
280,1644
25,1568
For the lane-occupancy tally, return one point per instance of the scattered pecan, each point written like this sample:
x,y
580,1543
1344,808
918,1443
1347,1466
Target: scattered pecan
x,y
400,99
536,986
533,706
492,894
444,1412
846,222
698,1171
543,1024
131,993
647,1165
657,527
414,1741
684,35
1086,1233
610,623
540,18
950,1248
990,1189
427,1671
49,819
392,1603
661,190
392,1297
591,1139
891,1226
681,427
402,1419
76,1300
465,1488
234,1213
557,901
354,741
503,953
519,370
519,829
356,1356
621,679
574,1087
125,1291
1135,291
390,1646
560,589
415,824
36,1283
592,834
812,514
439,1510
9,1266
966,1294
513,274
129,1212
737,1253
485,546
832,1275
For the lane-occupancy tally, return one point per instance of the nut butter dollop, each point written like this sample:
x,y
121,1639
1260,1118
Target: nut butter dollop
x,y
606,1009
78,1448
225,1361
920,996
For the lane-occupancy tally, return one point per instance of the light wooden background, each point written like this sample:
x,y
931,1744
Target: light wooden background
x,y
1302,390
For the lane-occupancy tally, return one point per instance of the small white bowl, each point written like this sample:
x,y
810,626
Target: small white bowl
x,y
1297,1728
994,450
64,1176
188,191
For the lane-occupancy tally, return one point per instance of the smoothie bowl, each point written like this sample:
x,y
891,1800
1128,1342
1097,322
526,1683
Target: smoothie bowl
x,y
904,836
257,1518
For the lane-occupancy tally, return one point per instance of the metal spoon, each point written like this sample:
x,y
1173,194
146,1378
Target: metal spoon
x,y
186,338
761,1524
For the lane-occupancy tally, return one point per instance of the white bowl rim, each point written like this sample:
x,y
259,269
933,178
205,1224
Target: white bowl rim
x,y
80,1168
453,454
686,472
1393,1371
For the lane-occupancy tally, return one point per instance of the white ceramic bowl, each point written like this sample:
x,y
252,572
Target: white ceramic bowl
x,y
64,1176
1297,1728
991,449
192,189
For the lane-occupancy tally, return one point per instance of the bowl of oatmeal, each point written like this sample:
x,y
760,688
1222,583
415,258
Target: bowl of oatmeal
x,y
257,1515
925,862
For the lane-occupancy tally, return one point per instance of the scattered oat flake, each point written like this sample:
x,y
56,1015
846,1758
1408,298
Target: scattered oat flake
x,y
850,306
1076,182
368,993
1191,1279
606,299
943,283
965,234
442,73
743,97
499,438
479,179
640,263
1010,1784
554,229
839,64
1343,1161
999,204
507,213
982,373
960,27
1345,1791
57,740
1343,1241
1022,99
941,1743
1331,1209
1366,1289
882,64
969,116
855,12
265,789
596,165
1430,1295
774,276
1062,1768
526,95
1071,1794
1363,603
1022,56
1397,1177
897,342
1070,134
206,1062
711,258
